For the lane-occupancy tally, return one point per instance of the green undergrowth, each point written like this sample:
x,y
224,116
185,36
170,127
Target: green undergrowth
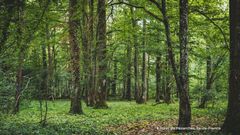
x,y
94,121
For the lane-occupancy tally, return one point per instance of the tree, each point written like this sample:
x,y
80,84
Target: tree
x,y
209,81
128,95
76,107
158,78
44,82
19,76
115,77
184,103
101,56
136,53
143,94
92,58
232,121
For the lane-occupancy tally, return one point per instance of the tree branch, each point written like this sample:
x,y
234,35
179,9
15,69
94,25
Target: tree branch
x,y
139,7
215,24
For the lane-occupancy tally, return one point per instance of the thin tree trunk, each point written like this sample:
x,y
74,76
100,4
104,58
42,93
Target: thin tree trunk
x,y
44,84
50,63
143,97
158,79
167,90
208,81
128,73
148,75
19,76
114,82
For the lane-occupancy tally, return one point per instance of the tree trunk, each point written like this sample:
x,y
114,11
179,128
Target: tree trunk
x,y
148,76
171,55
143,97
168,76
128,73
232,121
102,52
184,103
86,51
206,93
136,53
76,107
44,85
19,76
50,63
158,79
114,82
92,67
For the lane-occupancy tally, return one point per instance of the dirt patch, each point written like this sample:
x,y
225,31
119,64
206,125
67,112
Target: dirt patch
x,y
165,127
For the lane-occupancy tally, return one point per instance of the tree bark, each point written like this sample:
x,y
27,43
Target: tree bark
x,y
232,121
209,81
19,76
136,53
92,67
158,79
44,85
102,52
129,73
143,97
184,103
168,76
171,55
76,107
114,82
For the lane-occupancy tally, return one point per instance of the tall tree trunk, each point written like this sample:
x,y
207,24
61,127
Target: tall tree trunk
x,y
124,87
136,53
171,55
92,61
206,93
86,51
19,77
114,82
184,103
128,73
168,75
102,59
44,85
76,107
148,75
50,63
143,97
158,79
232,121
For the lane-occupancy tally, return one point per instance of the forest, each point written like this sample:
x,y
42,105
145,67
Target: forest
x,y
119,67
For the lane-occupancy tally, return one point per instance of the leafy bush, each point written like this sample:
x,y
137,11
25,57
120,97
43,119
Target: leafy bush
x,y
6,92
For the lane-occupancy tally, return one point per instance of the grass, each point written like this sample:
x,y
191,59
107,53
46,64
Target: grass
x,y
97,121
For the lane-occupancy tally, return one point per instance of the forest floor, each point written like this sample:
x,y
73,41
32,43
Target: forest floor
x,y
122,117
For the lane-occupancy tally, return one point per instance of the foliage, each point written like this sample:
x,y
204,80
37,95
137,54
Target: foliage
x,y
97,121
